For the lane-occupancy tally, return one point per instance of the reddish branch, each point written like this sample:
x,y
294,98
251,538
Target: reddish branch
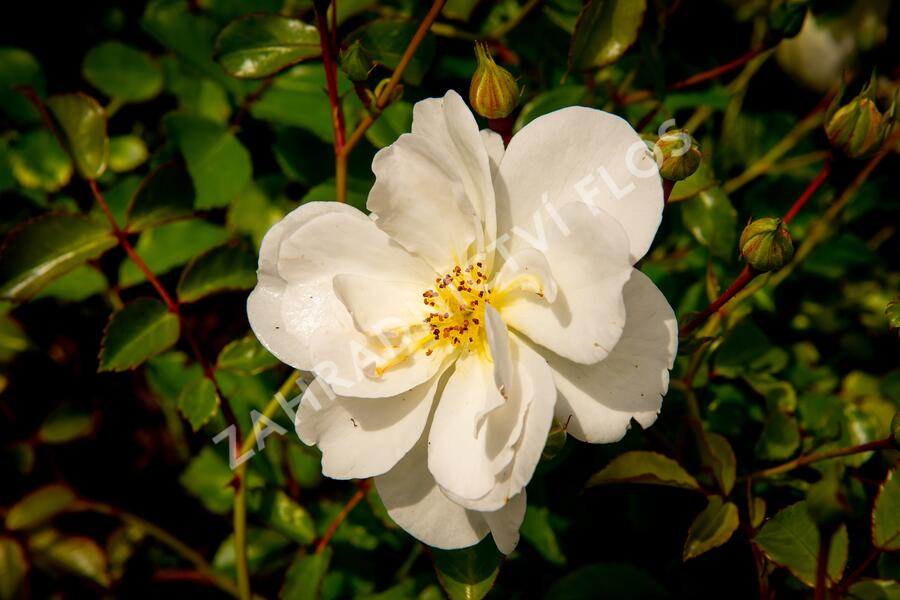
x,y
364,486
329,59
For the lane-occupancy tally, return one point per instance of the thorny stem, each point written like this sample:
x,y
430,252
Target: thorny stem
x,y
202,567
381,102
363,487
748,273
806,459
697,78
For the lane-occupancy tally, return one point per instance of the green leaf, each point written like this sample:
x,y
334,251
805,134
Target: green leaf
x,y
283,514
791,539
126,152
65,424
122,72
13,568
607,580
780,437
892,312
219,164
39,162
19,68
76,554
208,478
303,579
41,250
886,514
76,285
713,527
394,121
140,330
874,589
468,573
165,195
640,466
386,40
259,45
604,31
199,402
298,98
246,356
547,102
702,180
718,456
264,547
82,127
220,269
712,220
537,530
168,246
39,506
12,339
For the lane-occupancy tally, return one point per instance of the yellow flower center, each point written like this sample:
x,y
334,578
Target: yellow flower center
x,y
456,314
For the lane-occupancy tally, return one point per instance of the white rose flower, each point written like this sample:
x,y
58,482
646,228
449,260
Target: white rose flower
x,y
488,291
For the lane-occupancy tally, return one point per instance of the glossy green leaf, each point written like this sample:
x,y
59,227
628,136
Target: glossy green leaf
x,y
259,45
605,29
264,547
126,152
165,195
76,554
208,478
711,218
170,245
46,248
886,514
65,424
640,466
780,437
386,40
39,506
76,285
468,573
219,164
220,269
13,568
547,102
711,528
607,580
717,454
303,579
39,162
538,531
19,68
140,330
298,98
791,539
283,514
246,356
874,589
81,123
198,402
122,72
393,122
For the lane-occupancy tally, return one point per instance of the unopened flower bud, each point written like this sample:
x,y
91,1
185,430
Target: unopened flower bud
x,y
396,93
356,62
766,244
493,93
677,155
859,128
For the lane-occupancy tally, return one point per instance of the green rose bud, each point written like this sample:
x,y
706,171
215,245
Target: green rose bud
x,y
356,62
493,93
766,244
677,155
859,128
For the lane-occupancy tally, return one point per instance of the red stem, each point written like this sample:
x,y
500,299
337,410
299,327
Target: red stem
x,y
351,504
329,60
811,189
504,127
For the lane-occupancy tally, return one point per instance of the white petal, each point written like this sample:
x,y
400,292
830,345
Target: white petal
x,y
380,307
598,401
493,143
521,426
588,257
362,437
420,201
450,124
416,503
581,154
505,523
298,260
498,342
527,271
458,459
